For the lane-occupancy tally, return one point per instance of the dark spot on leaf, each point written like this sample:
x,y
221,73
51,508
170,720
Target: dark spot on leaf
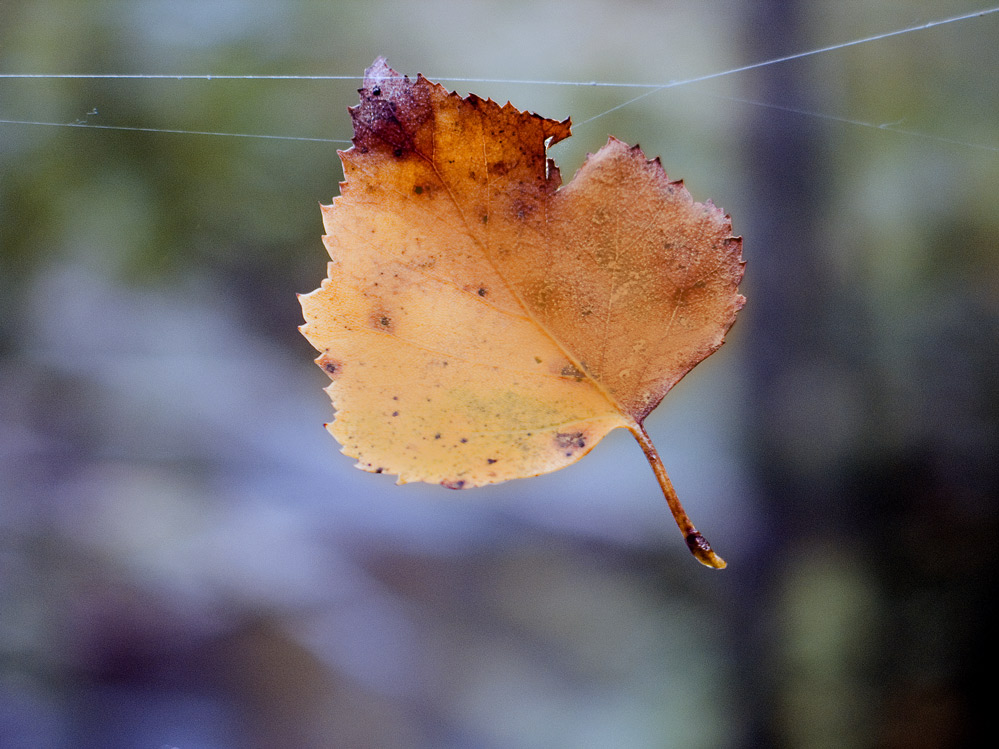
x,y
395,413
522,209
482,291
570,441
464,440
418,189
448,483
437,436
329,365
379,470
485,219
376,91
490,461
381,320
571,370
398,152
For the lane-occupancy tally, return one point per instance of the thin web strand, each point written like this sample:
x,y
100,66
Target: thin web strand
x,y
268,77
654,88
891,127
89,126
527,81
796,56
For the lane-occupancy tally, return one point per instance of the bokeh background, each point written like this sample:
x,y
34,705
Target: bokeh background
x,y
187,561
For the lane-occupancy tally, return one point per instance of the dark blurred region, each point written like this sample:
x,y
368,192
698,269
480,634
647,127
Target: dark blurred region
x,y
185,559
873,439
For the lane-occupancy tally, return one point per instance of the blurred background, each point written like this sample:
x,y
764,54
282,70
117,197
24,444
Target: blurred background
x,y
187,561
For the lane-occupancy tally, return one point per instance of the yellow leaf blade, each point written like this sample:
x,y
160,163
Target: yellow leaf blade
x,y
479,321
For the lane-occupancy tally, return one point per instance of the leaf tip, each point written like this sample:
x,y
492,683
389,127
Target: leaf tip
x,y
377,70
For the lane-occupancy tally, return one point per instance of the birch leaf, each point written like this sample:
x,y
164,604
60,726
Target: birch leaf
x,y
480,321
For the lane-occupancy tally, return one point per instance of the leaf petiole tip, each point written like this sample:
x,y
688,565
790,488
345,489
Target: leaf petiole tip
x,y
697,543
703,552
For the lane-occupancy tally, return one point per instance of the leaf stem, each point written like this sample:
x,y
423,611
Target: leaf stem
x,y
697,544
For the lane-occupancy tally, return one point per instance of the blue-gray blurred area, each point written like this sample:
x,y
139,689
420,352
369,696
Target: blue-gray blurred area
x,y
187,561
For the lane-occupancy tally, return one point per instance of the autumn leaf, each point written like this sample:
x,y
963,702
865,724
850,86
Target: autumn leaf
x,y
480,322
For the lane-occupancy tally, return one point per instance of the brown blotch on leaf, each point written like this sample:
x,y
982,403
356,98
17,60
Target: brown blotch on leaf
x,y
570,440
387,101
382,321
